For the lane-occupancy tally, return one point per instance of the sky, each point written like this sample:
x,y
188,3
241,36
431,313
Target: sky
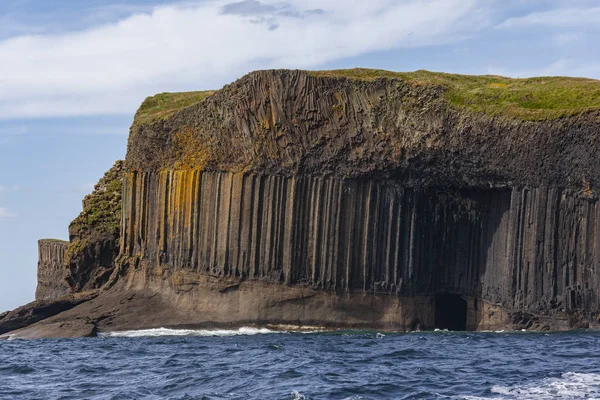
x,y
72,74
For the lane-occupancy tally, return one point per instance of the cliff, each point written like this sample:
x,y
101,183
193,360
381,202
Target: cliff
x,y
410,128
356,198
372,182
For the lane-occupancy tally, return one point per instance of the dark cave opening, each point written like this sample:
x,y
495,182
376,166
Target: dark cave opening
x,y
450,312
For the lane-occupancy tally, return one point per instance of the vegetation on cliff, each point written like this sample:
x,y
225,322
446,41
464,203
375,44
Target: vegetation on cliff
x,y
533,99
163,105
94,234
539,98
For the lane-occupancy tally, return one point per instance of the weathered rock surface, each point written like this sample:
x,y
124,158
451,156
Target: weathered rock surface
x,y
75,328
39,310
51,273
294,123
94,234
296,199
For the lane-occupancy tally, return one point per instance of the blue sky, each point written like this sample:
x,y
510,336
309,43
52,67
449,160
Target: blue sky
x,y
73,73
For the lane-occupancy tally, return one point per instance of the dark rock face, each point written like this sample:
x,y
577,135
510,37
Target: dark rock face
x,y
292,123
94,234
531,250
51,271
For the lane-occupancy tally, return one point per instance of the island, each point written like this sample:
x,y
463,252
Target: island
x,y
352,199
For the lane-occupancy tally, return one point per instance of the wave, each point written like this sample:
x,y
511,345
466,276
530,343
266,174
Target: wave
x,y
157,332
569,386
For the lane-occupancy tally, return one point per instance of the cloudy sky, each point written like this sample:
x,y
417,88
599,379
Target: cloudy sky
x,y
73,72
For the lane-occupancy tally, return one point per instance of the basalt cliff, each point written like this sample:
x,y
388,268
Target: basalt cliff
x,y
340,199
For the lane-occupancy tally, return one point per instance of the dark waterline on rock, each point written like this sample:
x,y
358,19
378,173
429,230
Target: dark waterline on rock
x,y
341,365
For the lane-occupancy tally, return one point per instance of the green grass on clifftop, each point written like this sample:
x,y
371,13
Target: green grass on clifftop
x,y
527,99
163,105
531,99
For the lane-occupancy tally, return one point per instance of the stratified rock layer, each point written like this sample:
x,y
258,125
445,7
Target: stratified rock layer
x,y
51,272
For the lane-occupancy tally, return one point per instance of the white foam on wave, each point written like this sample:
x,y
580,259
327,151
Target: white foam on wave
x,y
296,395
570,386
156,332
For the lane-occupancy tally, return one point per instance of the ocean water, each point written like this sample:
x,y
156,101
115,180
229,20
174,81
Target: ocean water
x,y
261,364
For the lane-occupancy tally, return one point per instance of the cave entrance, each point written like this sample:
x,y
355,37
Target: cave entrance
x,y
450,312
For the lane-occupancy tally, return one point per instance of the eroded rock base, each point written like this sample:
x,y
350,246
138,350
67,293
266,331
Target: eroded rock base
x,y
153,298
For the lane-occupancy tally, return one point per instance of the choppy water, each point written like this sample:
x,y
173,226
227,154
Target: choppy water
x,y
260,364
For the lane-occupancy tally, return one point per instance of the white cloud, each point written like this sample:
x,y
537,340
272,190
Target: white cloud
x,y
111,68
1,189
560,18
568,38
560,67
4,214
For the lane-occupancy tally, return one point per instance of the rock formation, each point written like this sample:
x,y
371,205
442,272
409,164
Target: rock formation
x,y
51,277
353,198
94,234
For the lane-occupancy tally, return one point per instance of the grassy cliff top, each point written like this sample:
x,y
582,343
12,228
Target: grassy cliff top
x,y
163,105
528,98
532,99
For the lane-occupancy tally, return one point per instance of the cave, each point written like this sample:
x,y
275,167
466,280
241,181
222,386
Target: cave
x,y
450,312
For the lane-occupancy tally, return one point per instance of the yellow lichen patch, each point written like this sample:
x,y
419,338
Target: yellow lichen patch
x,y
339,108
194,151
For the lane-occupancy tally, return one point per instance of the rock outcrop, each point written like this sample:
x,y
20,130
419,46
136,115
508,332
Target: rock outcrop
x,y
51,273
94,234
39,310
360,198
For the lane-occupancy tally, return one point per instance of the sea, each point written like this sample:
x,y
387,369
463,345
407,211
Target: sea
x,y
252,363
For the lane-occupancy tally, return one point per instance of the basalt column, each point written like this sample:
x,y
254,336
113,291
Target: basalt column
x,y
327,233
51,270
524,249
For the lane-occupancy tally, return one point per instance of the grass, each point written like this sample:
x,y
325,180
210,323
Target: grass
x,y
532,99
102,208
540,98
163,105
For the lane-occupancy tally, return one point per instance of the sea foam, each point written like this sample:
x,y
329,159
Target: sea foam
x,y
156,332
569,386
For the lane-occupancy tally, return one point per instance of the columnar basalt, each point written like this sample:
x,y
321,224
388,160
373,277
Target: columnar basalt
x,y
380,186
51,272
359,198
528,250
